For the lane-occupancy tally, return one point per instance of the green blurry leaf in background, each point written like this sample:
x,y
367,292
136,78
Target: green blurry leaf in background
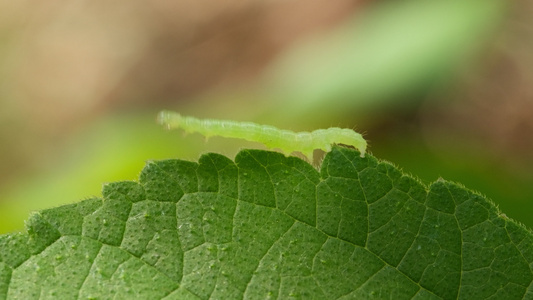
x,y
270,226
392,48
373,58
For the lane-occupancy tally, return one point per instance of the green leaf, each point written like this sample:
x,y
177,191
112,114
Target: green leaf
x,y
390,48
270,226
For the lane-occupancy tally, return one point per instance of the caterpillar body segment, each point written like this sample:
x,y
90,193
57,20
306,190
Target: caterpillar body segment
x,y
286,140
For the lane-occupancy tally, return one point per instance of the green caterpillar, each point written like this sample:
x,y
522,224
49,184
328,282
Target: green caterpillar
x,y
286,140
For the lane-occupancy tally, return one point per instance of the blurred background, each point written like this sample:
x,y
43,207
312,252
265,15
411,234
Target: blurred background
x,y
441,89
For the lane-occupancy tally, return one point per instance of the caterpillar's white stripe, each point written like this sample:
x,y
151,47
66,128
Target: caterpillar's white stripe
x,y
286,140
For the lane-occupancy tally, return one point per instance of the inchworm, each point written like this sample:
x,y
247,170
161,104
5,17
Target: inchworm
x,y
286,140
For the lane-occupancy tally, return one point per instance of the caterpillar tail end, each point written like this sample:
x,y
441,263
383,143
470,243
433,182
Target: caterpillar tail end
x,y
362,148
362,153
